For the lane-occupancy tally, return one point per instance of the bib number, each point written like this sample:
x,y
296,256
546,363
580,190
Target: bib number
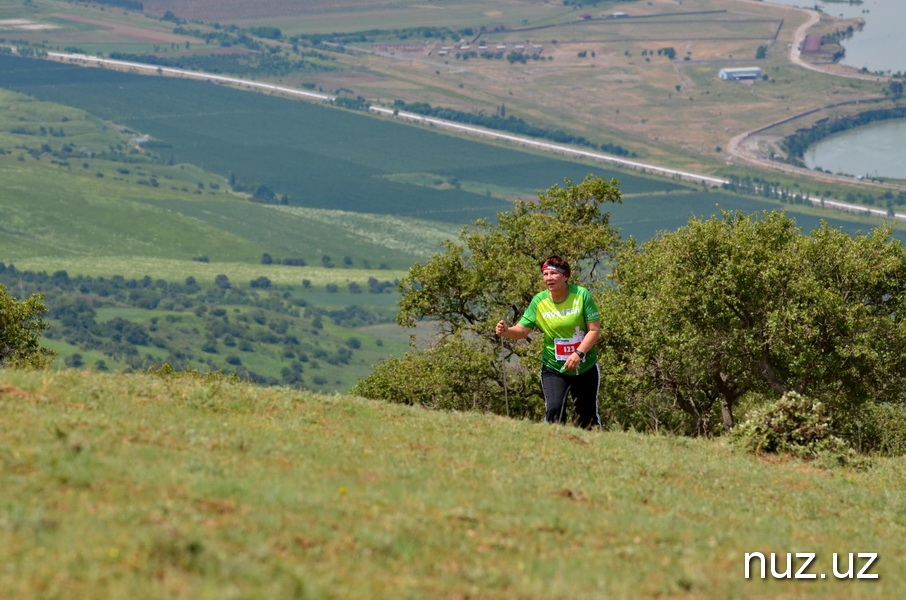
x,y
564,347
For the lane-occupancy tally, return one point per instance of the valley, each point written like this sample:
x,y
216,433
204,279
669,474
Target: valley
x,y
122,172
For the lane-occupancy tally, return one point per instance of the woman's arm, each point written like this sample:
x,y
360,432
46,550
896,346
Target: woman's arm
x,y
594,332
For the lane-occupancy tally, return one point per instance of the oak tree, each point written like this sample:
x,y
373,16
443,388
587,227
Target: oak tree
x,y
748,305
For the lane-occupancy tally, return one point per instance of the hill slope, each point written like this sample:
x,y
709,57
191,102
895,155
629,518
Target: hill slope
x,y
140,487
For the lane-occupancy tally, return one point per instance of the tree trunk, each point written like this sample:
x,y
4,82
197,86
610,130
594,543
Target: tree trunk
x,y
726,411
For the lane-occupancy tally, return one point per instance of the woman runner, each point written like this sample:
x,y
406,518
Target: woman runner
x,y
568,316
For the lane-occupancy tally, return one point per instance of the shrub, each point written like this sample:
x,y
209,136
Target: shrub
x,y
797,426
877,428
21,326
169,372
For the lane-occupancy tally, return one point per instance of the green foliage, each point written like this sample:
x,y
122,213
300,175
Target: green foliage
x,y
739,304
127,4
492,273
453,375
168,371
249,64
270,335
795,425
876,428
509,123
21,327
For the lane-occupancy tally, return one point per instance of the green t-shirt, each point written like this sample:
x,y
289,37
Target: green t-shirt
x,y
564,325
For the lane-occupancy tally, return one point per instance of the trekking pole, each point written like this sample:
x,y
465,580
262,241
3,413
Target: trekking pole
x,y
563,369
506,395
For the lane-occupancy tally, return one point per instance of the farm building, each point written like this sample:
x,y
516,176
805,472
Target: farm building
x,y
740,73
812,44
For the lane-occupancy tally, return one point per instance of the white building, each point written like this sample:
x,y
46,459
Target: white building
x,y
740,73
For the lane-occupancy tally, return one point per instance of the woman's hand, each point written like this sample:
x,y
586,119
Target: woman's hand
x,y
572,362
501,329
516,332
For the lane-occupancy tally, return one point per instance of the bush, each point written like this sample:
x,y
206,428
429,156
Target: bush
x,y
876,428
797,426
21,327
169,372
452,375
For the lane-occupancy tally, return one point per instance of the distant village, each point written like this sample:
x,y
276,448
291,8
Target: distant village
x,y
459,49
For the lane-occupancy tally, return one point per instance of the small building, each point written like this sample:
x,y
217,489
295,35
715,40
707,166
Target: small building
x,y
812,44
740,73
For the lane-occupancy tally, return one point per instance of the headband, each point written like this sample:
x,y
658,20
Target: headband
x,y
560,270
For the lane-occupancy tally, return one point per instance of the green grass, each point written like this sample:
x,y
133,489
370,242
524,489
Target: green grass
x,y
131,209
138,487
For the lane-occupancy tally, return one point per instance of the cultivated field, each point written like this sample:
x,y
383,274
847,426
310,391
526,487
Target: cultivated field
x,y
589,73
338,170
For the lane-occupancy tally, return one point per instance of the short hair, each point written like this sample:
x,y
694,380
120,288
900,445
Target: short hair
x,y
556,262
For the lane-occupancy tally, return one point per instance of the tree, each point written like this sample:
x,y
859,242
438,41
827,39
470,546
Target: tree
x,y
493,273
747,306
21,327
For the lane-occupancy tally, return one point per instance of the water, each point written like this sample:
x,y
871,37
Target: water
x,y
880,46
874,150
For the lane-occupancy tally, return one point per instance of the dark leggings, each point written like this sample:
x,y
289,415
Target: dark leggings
x,y
584,390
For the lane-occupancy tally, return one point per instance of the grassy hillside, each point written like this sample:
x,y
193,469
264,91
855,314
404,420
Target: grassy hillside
x,y
76,187
140,487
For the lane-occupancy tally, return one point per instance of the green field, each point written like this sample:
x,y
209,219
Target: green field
x,y
137,487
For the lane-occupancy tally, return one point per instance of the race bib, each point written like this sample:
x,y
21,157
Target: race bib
x,y
563,347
